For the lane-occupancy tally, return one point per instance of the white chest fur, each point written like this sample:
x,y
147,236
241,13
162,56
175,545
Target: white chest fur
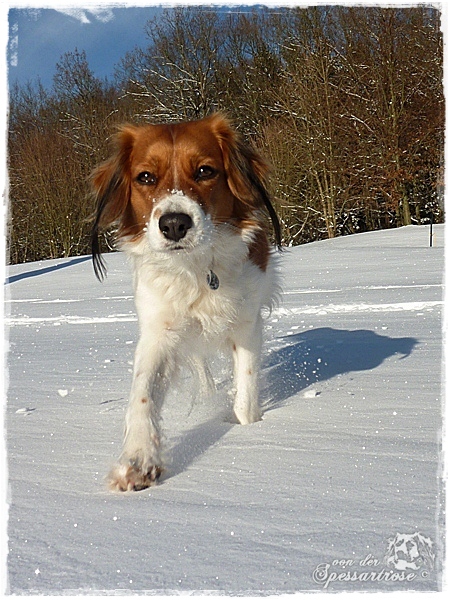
x,y
173,288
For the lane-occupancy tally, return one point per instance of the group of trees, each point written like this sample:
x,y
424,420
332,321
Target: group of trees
x,y
345,102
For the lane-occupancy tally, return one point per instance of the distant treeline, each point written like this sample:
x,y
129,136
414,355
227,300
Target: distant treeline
x,y
346,103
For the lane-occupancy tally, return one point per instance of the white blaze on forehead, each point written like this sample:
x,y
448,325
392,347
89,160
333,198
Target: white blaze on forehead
x,y
175,174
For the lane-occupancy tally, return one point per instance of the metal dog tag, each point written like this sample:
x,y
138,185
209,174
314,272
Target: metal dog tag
x,y
212,280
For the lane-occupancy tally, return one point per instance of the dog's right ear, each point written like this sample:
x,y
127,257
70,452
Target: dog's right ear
x,y
111,185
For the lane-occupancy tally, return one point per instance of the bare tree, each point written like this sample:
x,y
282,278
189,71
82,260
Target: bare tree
x,y
175,78
393,75
54,141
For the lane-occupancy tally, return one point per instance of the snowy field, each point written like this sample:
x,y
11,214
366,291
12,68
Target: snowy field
x,y
346,457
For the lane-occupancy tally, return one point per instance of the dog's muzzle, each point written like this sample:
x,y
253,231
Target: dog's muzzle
x,y
178,223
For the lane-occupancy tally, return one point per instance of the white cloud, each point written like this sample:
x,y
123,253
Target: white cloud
x,y
89,15
13,45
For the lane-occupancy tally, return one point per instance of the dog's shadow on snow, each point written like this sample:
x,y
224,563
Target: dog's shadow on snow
x,y
192,444
305,358
320,354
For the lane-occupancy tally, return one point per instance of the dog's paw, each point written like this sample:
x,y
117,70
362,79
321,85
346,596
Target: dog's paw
x,y
129,478
248,415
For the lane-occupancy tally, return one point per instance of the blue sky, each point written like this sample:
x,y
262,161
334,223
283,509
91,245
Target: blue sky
x,y
39,37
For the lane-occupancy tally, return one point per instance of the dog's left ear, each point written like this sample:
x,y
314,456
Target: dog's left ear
x,y
246,170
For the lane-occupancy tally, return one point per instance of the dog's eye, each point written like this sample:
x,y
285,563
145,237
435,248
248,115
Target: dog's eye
x,y
146,178
205,172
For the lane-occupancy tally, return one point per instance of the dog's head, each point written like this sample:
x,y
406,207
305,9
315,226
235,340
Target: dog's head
x,y
410,552
173,183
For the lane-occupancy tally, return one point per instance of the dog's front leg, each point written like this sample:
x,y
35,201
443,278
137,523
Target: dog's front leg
x,y
140,463
247,342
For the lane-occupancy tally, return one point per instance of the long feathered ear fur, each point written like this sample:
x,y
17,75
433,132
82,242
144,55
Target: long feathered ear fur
x,y
246,170
111,184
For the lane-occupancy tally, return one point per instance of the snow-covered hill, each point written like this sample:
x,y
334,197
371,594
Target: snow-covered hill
x,y
346,458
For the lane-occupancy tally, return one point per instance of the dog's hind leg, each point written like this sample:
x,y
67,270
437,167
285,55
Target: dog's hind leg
x,y
203,372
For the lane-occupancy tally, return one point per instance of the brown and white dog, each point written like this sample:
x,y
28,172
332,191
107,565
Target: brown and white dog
x,y
187,202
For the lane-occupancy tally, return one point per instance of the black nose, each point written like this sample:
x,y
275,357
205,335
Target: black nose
x,y
174,226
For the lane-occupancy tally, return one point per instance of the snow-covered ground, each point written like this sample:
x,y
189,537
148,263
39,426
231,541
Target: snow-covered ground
x,y
346,457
